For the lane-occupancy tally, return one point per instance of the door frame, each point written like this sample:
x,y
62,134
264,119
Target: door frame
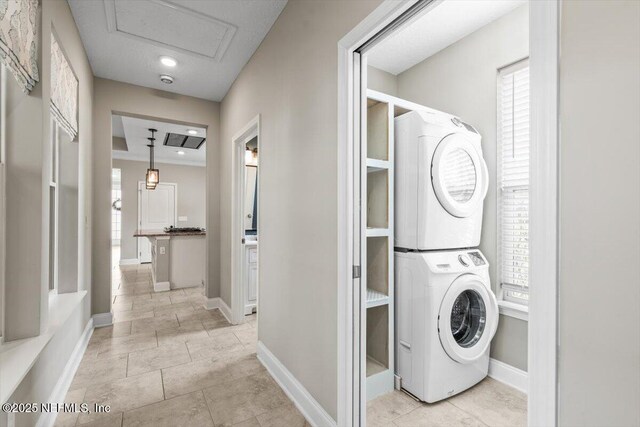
x,y
543,320
141,185
238,141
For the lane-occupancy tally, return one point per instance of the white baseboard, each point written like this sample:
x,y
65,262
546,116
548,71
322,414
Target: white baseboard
x,y
213,303
175,285
102,319
48,419
161,286
306,404
130,261
509,375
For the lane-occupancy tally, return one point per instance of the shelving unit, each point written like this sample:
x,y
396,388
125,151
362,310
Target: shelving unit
x,y
378,247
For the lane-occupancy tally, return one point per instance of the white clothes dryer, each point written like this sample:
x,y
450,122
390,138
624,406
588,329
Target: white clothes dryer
x,y
446,316
441,181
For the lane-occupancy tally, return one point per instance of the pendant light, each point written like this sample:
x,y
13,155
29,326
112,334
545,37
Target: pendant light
x,y
152,177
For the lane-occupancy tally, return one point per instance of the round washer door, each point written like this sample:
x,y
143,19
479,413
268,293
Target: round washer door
x,y
468,318
459,176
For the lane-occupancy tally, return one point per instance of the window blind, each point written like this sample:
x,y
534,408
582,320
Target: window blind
x,y
513,181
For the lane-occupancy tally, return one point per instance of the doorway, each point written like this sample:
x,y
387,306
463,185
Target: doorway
x,y
245,222
357,237
157,209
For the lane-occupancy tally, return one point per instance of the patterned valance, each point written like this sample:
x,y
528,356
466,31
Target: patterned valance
x,y
64,91
19,40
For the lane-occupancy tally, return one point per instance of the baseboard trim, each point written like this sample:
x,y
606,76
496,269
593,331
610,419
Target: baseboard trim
x,y
102,319
161,286
306,404
217,302
130,261
509,375
48,419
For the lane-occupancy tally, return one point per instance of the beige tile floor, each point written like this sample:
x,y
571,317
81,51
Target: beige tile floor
x,y
489,403
167,361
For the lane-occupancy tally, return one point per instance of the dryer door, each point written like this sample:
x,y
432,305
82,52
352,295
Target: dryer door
x,y
459,176
468,318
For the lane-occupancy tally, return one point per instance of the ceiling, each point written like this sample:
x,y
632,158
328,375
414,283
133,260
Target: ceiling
x,y
446,23
210,40
136,132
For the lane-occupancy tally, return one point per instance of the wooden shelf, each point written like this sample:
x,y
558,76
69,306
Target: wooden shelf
x,y
376,165
376,298
374,367
377,232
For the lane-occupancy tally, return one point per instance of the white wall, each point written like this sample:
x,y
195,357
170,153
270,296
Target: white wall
x,y
382,81
291,80
461,80
191,182
599,295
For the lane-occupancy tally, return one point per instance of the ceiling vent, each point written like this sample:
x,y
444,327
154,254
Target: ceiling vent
x,y
183,141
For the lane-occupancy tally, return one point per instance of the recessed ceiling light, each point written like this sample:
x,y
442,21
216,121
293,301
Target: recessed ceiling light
x,y
168,61
180,153
192,132
165,78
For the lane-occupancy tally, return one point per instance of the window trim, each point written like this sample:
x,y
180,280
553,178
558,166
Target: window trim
x,y
507,306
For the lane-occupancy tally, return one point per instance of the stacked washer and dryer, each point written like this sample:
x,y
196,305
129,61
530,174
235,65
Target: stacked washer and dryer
x,y
446,313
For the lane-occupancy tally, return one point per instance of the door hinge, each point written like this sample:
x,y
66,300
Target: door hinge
x,y
356,272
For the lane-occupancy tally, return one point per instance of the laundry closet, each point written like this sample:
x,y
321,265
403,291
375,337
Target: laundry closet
x,y
445,227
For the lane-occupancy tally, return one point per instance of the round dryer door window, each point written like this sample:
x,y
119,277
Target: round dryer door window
x,y
459,175
468,319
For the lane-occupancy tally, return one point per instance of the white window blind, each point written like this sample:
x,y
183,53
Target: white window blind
x,y
513,181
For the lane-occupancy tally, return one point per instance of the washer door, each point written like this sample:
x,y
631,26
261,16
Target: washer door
x,y
468,318
459,176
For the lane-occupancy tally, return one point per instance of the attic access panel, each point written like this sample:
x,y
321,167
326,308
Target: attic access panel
x,y
183,141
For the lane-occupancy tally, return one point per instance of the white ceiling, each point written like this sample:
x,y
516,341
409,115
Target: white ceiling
x,y
211,40
136,132
446,23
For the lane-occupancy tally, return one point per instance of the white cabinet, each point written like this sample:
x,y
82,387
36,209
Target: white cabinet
x,y
251,278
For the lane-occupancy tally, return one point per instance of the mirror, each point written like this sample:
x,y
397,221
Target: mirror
x,y
251,187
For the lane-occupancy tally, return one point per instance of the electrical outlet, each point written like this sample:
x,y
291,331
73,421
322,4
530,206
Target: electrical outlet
x,y
162,250
183,219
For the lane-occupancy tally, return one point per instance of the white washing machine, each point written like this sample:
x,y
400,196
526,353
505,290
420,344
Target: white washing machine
x,y
446,316
441,181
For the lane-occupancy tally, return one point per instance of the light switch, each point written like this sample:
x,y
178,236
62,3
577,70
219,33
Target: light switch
x,y
162,250
182,218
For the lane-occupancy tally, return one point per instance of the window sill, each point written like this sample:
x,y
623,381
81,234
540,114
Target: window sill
x,y
511,309
17,357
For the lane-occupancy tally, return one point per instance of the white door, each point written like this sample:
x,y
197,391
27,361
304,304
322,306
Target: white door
x,y
156,210
468,318
460,177
249,196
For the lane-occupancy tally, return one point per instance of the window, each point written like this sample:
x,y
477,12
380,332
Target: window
x,y
513,182
53,207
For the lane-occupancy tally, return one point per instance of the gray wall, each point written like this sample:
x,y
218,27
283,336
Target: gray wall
x,y
461,80
130,100
599,315
382,81
191,197
291,81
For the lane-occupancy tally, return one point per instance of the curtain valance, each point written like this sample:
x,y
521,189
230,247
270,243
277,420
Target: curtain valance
x,y
64,91
19,40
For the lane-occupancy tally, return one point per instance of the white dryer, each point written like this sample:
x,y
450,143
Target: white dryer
x,y
446,316
441,181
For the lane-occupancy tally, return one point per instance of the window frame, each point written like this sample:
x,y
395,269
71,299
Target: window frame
x,y
508,304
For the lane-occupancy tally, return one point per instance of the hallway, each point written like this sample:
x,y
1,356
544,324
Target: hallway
x,y
167,361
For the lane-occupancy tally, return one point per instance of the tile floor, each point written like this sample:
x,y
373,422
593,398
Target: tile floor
x,y
489,403
167,361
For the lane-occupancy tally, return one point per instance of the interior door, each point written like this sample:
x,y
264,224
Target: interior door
x,y
156,210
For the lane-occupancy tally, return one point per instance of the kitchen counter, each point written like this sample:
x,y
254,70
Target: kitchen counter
x,y
177,258
162,233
